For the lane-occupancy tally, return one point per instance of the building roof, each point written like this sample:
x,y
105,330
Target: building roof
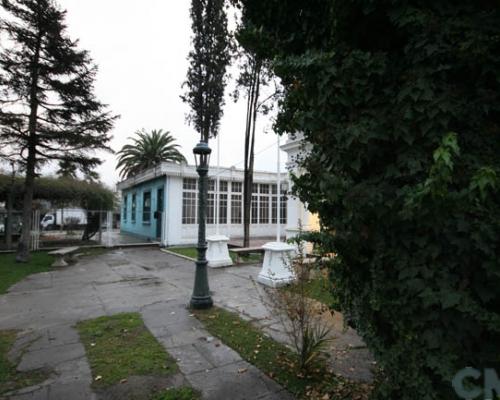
x,y
189,171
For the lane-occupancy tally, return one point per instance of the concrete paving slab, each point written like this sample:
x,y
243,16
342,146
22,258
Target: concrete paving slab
x,y
70,391
189,359
50,357
238,381
158,285
215,352
182,339
34,282
41,393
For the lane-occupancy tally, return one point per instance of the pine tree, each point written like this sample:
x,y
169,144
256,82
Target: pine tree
x,y
48,108
67,169
209,58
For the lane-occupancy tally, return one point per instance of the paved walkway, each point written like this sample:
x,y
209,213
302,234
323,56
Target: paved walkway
x,y
158,285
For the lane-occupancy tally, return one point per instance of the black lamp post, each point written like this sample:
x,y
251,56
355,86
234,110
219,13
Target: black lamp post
x,y
201,293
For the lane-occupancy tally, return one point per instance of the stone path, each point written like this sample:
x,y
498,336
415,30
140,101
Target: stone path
x,y
46,306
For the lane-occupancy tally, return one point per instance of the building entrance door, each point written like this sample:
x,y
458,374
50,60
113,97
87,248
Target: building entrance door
x,y
159,212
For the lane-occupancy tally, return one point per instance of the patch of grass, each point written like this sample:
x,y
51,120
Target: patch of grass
x,y
12,272
120,346
184,251
320,289
10,379
182,393
247,258
192,253
275,359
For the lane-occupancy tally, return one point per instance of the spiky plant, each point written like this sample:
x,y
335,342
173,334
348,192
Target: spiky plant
x,y
147,150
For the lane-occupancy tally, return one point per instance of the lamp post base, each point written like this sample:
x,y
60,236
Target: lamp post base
x,y
201,303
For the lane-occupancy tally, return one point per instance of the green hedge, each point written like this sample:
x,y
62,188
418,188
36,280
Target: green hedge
x,y
400,101
88,195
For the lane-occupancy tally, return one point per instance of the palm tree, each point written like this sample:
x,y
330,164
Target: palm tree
x,y
147,151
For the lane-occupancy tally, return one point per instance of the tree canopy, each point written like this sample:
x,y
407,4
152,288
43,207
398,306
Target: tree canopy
x,y
46,81
79,193
147,151
208,61
400,102
48,108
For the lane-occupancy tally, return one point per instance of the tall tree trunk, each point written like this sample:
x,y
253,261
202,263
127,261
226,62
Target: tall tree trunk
x,y
9,221
29,182
253,98
10,206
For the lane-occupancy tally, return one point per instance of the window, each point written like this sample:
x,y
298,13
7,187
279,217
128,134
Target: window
x,y
189,184
134,207
274,205
283,216
264,210
264,204
236,208
189,208
236,187
223,208
146,207
211,208
125,200
274,209
255,210
189,197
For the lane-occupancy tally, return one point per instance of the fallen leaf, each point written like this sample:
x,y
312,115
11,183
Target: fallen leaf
x,y
242,370
98,378
123,381
92,344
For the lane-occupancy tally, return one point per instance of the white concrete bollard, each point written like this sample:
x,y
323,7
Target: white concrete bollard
x,y
276,270
218,252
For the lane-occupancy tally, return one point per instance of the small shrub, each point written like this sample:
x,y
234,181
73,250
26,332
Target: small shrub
x,y
303,319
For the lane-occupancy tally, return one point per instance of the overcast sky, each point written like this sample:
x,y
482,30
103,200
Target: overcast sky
x,y
141,49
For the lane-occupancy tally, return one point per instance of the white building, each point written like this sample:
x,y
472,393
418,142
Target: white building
x,y
161,203
297,212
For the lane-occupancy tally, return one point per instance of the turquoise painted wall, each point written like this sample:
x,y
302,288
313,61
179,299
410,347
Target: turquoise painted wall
x,y
147,230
